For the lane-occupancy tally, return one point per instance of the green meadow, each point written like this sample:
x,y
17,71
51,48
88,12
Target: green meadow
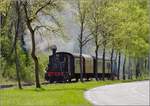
x,y
69,94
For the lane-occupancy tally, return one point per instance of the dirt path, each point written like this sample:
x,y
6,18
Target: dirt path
x,y
134,93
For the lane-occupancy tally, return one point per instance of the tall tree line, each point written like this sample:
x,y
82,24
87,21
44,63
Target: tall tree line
x,y
121,26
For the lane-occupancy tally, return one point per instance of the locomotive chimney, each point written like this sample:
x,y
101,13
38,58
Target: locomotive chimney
x,y
53,48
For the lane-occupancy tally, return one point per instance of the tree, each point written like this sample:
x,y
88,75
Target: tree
x,y
17,7
124,65
136,31
131,29
112,62
31,10
95,17
149,36
83,40
12,54
5,30
100,25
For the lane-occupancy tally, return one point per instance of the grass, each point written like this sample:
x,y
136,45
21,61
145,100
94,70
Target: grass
x,y
51,95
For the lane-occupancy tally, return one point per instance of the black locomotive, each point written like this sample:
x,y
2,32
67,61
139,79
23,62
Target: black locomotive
x,y
64,66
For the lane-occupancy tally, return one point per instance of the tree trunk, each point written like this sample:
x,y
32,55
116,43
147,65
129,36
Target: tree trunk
x,y
81,65
116,67
149,38
96,63
124,65
119,60
35,59
18,69
103,68
145,63
137,69
1,21
81,46
36,63
112,54
149,63
15,45
81,60
129,69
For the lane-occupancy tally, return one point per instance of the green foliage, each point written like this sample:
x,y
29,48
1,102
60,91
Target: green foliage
x,y
26,69
8,9
132,27
8,68
126,23
5,49
43,61
122,25
4,6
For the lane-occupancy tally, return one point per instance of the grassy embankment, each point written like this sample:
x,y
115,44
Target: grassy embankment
x,y
51,94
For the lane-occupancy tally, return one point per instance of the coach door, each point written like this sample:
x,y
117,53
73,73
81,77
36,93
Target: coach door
x,y
65,60
66,63
69,63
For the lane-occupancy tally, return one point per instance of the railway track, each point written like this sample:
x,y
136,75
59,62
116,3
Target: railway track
x,y
5,86
15,85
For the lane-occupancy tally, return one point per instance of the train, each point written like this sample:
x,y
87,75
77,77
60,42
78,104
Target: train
x,y
65,66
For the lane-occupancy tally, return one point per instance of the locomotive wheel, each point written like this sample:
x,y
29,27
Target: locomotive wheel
x,y
77,79
66,77
87,78
51,81
69,80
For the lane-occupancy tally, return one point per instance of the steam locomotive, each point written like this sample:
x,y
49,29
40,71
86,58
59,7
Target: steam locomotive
x,y
64,66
